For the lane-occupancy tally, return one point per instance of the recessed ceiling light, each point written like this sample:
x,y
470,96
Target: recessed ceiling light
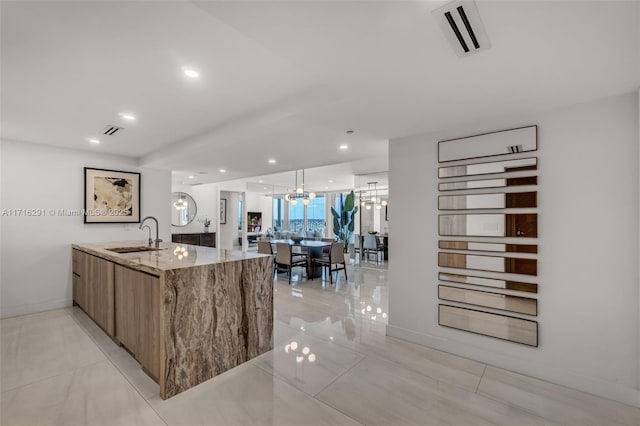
x,y
92,140
223,170
272,161
260,181
190,72
127,116
350,132
191,177
330,181
343,147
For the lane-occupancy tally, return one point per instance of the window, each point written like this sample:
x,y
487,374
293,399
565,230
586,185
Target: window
x,y
300,218
278,213
316,220
296,217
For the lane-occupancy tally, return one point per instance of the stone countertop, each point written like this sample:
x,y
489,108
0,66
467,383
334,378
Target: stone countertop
x,y
170,256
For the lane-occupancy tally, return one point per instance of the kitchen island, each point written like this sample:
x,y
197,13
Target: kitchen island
x,y
186,313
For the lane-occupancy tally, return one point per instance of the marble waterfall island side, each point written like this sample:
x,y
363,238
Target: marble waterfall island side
x,y
186,313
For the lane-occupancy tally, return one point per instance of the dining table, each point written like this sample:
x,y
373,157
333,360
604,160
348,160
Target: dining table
x,y
314,251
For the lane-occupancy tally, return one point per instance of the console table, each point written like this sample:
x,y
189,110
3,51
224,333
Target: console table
x,y
207,239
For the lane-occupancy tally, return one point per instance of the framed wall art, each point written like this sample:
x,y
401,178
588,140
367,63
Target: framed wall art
x,y
111,196
223,211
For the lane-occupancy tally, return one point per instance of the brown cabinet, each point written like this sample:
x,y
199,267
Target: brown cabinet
x,y
80,290
93,288
207,239
137,316
123,302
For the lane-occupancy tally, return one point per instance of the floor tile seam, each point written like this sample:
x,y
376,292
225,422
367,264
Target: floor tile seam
x,y
591,414
291,327
522,410
338,343
327,404
515,406
281,378
549,393
338,376
65,309
135,389
481,377
321,311
328,340
286,383
120,371
94,340
146,401
83,328
420,373
460,369
62,373
355,316
326,303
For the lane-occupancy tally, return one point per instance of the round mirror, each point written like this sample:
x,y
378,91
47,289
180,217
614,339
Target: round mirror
x,y
183,209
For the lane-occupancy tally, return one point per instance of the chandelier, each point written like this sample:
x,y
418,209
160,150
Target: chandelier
x,y
369,198
181,204
300,193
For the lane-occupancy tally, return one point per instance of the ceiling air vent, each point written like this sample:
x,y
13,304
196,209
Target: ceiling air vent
x,y
462,26
112,130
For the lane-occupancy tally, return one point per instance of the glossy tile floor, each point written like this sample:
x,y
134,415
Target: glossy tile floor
x,y
331,365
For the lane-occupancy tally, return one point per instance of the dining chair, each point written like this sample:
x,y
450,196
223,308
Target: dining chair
x,y
287,259
327,249
265,247
371,244
335,257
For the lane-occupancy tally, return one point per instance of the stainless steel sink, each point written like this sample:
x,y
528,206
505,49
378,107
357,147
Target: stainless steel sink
x,y
132,249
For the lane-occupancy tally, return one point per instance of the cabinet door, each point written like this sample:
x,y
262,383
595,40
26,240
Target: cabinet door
x,y
101,292
193,239
79,276
126,311
138,316
208,239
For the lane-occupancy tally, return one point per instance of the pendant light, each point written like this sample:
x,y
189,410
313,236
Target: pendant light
x,y
300,192
181,204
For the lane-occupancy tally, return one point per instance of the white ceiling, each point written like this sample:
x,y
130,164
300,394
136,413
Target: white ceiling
x,y
336,177
285,80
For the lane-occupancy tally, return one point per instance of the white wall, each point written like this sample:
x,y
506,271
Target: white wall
x,y
257,202
588,242
36,251
229,232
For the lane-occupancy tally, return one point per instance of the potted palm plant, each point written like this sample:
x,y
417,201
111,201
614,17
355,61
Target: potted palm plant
x,y
344,221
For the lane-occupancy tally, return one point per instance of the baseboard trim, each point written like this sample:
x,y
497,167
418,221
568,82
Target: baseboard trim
x,y
549,373
14,311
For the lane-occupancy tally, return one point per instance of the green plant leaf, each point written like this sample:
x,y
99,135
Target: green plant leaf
x,y
334,213
348,203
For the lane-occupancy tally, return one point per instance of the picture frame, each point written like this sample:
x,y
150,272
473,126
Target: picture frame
x,y
111,196
223,211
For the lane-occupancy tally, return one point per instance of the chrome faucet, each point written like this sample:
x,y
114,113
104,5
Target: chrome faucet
x,y
149,228
157,240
